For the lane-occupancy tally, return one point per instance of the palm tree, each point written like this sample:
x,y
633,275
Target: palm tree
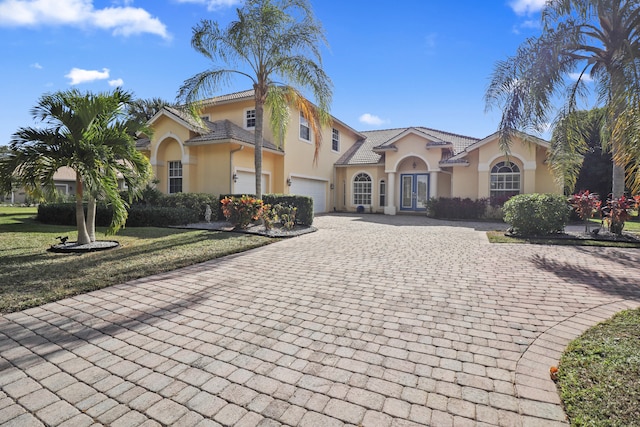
x,y
88,133
599,41
278,53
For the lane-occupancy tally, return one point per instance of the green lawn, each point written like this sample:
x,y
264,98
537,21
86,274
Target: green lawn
x,y
599,376
31,276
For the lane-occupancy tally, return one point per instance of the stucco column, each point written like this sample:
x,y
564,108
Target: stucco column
x,y
529,178
390,209
433,184
483,184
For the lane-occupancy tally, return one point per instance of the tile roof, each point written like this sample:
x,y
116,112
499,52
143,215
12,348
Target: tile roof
x,y
143,143
245,94
225,130
364,151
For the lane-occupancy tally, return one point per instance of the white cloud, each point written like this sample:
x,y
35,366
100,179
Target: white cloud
x,y
585,77
36,66
116,82
370,119
527,7
213,4
78,75
123,21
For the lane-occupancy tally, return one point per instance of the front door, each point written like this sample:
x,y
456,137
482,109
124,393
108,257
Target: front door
x,y
414,191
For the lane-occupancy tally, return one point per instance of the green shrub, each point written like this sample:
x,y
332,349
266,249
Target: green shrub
x,y
196,202
303,205
455,208
139,215
158,216
536,214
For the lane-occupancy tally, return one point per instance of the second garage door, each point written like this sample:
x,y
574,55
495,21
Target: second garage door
x,y
246,183
313,188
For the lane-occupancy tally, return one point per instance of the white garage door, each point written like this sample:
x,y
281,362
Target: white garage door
x,y
246,183
313,188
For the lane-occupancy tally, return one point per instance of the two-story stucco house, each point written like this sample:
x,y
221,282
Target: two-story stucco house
x,y
388,171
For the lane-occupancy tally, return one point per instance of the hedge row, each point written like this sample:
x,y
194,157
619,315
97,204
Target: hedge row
x,y
196,202
139,215
456,208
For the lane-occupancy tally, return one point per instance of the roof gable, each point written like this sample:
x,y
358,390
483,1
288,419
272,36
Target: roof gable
x,y
459,157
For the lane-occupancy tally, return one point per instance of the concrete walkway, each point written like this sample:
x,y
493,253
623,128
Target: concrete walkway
x,y
372,321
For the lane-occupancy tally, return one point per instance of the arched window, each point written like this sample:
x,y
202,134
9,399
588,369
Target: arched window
x,y
505,180
362,189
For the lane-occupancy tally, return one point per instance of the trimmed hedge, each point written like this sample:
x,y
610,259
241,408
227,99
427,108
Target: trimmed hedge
x,y
456,208
139,215
536,214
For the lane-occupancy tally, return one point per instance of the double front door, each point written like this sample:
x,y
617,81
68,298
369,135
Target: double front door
x,y
414,191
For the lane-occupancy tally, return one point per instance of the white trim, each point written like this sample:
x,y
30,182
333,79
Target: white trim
x,y
244,118
373,192
486,167
412,154
154,153
315,178
337,130
300,118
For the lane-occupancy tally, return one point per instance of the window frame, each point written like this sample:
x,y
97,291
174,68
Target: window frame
x,y
172,167
335,140
362,190
501,183
246,118
382,192
304,124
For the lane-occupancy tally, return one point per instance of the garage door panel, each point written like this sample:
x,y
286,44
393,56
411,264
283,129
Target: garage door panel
x,y
313,188
246,183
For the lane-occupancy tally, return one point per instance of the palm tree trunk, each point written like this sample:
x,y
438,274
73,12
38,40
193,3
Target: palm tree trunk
x,y
260,95
83,235
91,219
618,176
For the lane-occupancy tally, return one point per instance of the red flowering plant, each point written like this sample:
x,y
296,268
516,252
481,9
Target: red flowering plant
x,y
617,211
585,204
241,211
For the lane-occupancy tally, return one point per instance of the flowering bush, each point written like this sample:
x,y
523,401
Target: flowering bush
x,y
585,204
617,211
269,216
241,211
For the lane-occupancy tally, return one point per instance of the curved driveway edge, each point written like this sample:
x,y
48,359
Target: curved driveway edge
x,y
372,321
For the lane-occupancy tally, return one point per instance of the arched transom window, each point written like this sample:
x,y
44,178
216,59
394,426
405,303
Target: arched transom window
x,y
362,189
505,180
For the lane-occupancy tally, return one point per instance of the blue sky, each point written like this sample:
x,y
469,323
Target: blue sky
x,y
406,63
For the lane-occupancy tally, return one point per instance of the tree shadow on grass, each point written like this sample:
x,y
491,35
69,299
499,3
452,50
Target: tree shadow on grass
x,y
618,285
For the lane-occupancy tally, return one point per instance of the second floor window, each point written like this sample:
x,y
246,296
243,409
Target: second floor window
x,y
305,131
250,119
335,140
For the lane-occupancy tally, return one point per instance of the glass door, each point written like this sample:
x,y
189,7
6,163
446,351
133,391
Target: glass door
x,y
414,191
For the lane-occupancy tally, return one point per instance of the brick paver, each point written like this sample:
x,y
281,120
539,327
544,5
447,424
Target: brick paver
x,y
372,321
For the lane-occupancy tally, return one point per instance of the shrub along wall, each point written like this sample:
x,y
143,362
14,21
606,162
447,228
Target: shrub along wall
x,y
455,208
139,215
536,214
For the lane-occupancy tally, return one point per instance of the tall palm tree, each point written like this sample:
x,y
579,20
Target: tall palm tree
x,y
275,44
88,133
599,41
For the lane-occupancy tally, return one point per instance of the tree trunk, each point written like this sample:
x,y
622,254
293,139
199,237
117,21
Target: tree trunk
x,y
91,219
260,95
83,235
617,182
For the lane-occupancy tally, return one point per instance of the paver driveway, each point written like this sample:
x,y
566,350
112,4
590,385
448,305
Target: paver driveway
x,y
372,321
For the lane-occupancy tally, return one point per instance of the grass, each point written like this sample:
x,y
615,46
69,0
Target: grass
x,y
31,276
499,237
599,374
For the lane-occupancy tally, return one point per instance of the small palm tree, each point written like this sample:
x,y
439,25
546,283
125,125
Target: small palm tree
x,y
278,53
599,41
89,134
